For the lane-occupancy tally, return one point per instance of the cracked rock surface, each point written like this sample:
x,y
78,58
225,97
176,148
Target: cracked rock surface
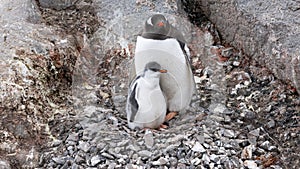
x,y
259,28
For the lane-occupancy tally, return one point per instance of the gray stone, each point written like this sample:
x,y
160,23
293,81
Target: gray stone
x,y
247,152
227,119
160,161
78,159
106,155
130,166
207,146
276,167
74,166
101,146
228,146
196,161
228,164
227,52
182,161
71,143
4,165
119,100
260,150
173,161
205,158
66,165
255,132
57,4
122,161
265,145
271,123
221,150
133,147
217,108
211,165
70,150
21,131
72,137
218,143
95,160
148,138
252,139
229,133
59,160
250,164
122,143
273,148
214,158
145,153
7,147
56,142
16,11
235,161
198,148
236,63
84,146
117,149
111,166
217,118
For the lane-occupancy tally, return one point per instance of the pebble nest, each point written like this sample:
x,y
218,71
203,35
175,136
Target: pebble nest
x,y
240,117
255,126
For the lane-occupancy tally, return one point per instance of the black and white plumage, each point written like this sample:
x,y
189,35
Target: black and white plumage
x,y
146,105
164,44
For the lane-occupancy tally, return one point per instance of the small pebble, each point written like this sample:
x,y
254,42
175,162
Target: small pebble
x,y
255,132
145,153
247,152
95,160
198,148
161,161
59,160
271,123
148,138
229,133
196,161
250,164
84,146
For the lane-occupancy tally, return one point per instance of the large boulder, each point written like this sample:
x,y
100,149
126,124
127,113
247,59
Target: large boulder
x,y
267,31
35,65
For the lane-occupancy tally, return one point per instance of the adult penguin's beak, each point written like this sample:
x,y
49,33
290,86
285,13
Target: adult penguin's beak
x,y
163,71
160,24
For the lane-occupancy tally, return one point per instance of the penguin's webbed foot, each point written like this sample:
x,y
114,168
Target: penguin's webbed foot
x,y
170,115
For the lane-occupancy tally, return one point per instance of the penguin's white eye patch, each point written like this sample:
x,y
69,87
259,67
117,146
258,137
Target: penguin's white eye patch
x,y
149,21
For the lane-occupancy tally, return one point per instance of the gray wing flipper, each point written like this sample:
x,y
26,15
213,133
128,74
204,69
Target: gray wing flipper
x,y
134,106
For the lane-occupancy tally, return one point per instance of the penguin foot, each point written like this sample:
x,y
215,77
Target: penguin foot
x,y
162,127
170,115
156,130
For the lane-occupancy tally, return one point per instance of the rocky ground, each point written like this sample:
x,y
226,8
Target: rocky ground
x,y
240,117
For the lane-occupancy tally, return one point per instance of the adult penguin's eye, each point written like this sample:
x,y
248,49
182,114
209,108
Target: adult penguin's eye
x,y
154,70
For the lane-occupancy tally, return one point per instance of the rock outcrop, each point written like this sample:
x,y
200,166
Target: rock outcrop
x,y
268,31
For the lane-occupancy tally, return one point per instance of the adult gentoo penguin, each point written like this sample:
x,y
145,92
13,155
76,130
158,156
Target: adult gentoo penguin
x,y
146,105
164,44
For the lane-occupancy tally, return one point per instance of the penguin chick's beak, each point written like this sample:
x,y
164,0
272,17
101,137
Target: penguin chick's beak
x,y
160,24
163,71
